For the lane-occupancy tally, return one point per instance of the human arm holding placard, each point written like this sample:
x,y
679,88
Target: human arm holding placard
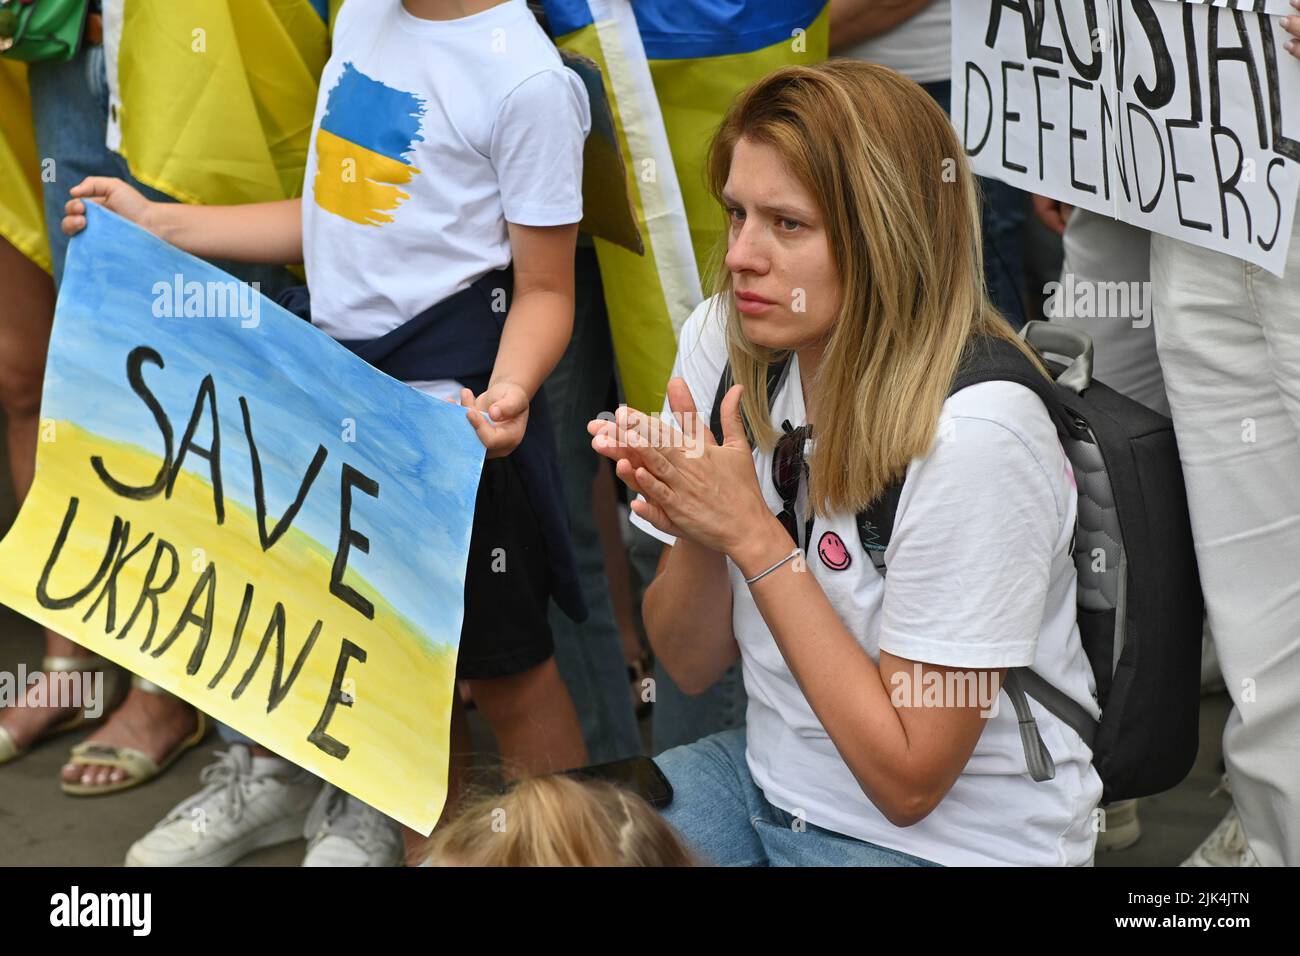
x,y
1292,26
536,154
536,333
268,232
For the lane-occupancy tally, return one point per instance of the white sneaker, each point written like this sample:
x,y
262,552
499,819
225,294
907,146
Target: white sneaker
x,y
343,831
1226,845
246,803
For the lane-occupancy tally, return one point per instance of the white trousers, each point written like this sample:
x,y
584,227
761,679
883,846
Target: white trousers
x,y
1229,343
1101,252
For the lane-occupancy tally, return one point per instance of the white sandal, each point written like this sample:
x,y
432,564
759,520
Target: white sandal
x,y
113,690
137,766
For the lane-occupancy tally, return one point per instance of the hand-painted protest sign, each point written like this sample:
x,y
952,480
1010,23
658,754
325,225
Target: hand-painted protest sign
x,y
235,507
1276,7
1179,117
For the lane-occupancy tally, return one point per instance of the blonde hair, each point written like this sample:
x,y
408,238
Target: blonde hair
x,y
873,149
558,821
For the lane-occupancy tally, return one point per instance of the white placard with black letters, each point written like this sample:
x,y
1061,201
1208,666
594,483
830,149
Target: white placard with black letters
x,y
1179,116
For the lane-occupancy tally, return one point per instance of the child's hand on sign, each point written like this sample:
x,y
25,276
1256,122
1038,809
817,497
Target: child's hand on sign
x,y
114,194
1292,26
499,416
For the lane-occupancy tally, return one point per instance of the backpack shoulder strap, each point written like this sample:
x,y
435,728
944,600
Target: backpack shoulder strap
x,y
996,360
876,524
986,359
776,373
990,359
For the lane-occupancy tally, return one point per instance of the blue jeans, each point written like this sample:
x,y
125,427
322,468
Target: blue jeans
x,y
70,114
589,655
726,820
230,735
1002,209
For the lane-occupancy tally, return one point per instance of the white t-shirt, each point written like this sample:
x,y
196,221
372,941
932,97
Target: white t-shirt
x,y
920,47
979,576
431,135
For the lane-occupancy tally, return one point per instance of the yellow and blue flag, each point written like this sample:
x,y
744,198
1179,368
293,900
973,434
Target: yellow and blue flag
x,y
671,69
22,217
212,102
365,134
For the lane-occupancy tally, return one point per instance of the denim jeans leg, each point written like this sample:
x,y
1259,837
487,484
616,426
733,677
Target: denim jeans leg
x,y
589,655
726,819
70,117
941,92
680,719
230,735
715,801
789,840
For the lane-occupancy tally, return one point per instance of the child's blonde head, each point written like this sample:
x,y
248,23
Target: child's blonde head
x,y
558,821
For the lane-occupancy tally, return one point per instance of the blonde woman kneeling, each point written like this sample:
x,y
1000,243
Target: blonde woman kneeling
x,y
854,250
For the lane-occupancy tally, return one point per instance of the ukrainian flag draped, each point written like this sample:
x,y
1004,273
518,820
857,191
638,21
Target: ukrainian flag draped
x,y
22,219
210,101
671,69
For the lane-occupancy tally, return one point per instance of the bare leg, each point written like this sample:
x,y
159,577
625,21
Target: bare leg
x,y
536,728
533,718
26,313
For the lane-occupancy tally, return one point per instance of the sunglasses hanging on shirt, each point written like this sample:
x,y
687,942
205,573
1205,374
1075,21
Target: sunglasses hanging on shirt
x,y
789,469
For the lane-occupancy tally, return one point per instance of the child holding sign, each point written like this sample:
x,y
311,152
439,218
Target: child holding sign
x,y
438,225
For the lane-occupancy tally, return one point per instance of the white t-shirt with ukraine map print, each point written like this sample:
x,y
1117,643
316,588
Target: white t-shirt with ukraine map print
x,y
996,473
431,135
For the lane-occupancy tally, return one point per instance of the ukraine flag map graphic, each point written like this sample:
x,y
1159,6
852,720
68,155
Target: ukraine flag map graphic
x,y
361,146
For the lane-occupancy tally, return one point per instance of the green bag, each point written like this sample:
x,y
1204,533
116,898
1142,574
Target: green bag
x,y
33,30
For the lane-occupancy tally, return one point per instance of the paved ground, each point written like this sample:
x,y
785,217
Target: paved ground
x,y
39,825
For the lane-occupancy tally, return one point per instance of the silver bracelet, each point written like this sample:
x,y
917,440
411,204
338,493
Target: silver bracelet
x,y
797,552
